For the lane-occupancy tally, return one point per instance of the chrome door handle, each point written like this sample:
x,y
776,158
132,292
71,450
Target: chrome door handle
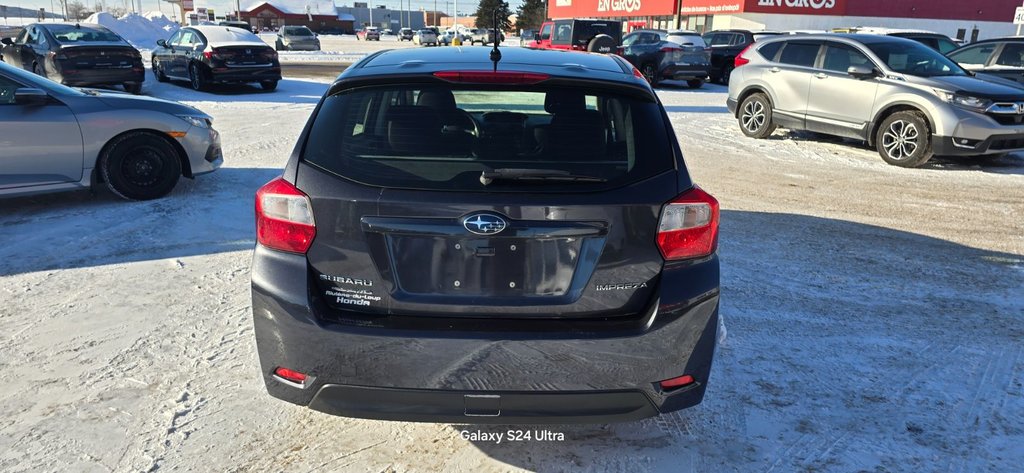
x,y
821,75
774,69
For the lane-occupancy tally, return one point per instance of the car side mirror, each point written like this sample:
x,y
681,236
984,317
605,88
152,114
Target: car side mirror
x,y
7,41
30,96
861,72
162,43
536,37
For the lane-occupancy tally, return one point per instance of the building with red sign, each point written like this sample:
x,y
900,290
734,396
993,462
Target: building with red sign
x,y
956,18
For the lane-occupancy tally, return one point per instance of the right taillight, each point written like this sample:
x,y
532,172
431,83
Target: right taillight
x,y
740,59
689,226
284,217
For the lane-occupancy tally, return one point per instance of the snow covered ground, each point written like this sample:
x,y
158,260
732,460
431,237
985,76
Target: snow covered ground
x,y
875,321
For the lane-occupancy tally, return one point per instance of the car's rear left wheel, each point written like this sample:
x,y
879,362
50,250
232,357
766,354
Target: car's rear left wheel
x,y
755,116
140,166
158,71
195,77
904,139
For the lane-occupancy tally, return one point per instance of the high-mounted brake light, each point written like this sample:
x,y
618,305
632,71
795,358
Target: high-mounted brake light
x,y
284,217
689,226
492,77
740,59
669,49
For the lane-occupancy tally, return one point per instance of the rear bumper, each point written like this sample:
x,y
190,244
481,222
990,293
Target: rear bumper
x,y
684,72
731,103
86,77
439,374
245,74
469,406
303,46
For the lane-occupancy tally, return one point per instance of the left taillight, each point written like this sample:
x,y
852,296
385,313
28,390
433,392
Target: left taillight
x,y
689,226
741,59
284,217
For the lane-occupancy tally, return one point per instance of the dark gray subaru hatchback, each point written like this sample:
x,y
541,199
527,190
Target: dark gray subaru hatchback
x,y
458,239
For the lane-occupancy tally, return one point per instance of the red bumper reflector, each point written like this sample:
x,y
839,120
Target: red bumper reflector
x,y
684,380
290,375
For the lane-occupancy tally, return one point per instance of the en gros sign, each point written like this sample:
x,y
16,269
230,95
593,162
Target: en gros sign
x,y
620,6
610,8
815,4
798,7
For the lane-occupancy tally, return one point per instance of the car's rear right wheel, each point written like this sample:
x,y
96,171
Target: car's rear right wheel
x,y
268,85
755,116
904,139
725,74
695,83
650,73
134,88
140,166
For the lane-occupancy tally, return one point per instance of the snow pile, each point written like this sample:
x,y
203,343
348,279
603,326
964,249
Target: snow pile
x,y
141,31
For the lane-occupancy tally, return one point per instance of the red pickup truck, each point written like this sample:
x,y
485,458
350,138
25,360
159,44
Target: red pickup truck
x,y
599,36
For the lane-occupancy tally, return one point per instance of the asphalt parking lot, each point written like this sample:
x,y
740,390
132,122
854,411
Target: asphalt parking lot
x,y
874,319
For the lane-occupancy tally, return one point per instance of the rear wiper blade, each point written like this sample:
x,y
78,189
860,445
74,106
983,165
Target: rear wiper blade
x,y
510,174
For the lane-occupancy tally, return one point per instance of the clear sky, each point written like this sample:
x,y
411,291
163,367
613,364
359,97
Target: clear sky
x,y
466,7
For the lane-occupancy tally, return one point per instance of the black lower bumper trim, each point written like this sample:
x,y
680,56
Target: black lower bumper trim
x,y
482,407
945,146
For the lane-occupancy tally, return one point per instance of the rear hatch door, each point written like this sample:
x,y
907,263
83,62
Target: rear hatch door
x,y
408,227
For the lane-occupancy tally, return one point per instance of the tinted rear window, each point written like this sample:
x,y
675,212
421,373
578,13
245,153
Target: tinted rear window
x,y
770,50
799,54
437,137
71,34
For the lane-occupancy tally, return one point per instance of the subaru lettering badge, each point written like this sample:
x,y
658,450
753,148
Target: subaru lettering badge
x,y
484,224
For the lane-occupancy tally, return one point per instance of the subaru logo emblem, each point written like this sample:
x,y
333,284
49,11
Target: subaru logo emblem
x,y
484,224
248,51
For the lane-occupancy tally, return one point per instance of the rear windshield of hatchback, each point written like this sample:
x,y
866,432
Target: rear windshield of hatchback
x,y
444,138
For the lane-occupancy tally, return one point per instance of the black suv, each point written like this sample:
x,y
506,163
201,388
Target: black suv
x,y
459,243
725,45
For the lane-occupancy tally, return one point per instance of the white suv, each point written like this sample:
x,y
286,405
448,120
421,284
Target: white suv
x,y
904,98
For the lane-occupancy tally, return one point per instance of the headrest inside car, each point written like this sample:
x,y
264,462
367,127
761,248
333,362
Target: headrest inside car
x,y
560,101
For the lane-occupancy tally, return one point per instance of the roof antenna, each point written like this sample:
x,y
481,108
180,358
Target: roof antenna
x,y
495,54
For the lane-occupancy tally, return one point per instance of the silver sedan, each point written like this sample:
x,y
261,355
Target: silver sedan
x,y
55,138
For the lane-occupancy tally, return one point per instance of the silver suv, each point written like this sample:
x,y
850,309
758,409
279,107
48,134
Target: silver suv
x,y
905,99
